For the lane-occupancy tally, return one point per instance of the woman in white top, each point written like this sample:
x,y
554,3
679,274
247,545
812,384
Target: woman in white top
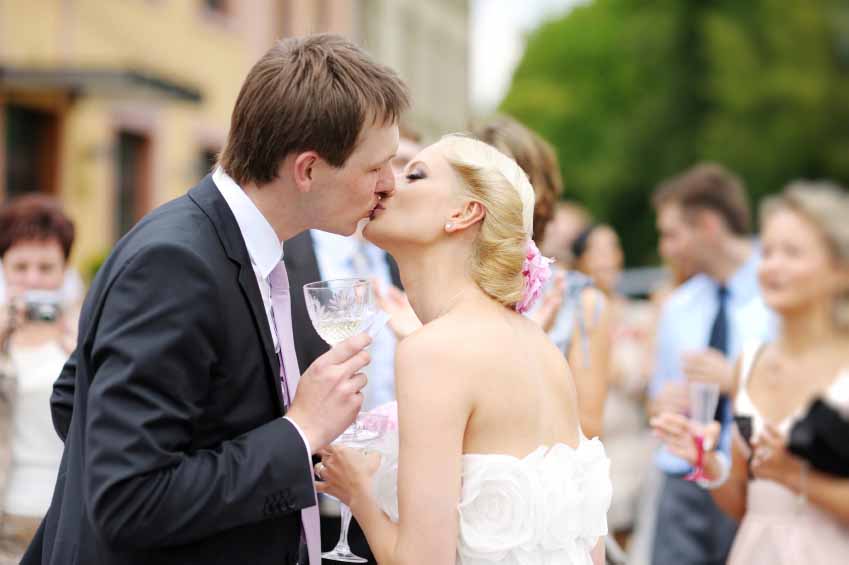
x,y
492,466
790,513
36,336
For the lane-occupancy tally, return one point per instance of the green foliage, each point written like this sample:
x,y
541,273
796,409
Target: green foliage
x,y
632,92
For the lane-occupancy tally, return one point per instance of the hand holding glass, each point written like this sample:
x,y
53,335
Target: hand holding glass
x,y
704,398
365,431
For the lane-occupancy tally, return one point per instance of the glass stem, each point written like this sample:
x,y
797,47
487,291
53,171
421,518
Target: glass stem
x,y
343,532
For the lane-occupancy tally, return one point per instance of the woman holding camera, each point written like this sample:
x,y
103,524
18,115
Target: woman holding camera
x,y
790,512
37,334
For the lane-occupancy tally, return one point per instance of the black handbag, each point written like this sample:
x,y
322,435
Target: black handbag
x,y
821,437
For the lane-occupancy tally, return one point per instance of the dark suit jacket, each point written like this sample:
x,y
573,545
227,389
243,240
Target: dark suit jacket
x,y
170,407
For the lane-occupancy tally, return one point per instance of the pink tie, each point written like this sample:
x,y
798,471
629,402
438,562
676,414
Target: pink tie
x,y
290,374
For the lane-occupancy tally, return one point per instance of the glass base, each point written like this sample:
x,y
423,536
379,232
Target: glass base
x,y
340,554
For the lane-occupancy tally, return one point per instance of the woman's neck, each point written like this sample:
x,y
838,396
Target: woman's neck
x,y
807,329
436,279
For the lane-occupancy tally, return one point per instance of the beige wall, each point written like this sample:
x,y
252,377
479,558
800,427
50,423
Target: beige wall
x,y
178,40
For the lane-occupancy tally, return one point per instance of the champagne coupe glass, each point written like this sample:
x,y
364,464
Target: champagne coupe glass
x,y
365,431
704,398
339,308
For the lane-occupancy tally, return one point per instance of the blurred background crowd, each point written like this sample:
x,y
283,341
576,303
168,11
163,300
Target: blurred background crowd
x,y
690,160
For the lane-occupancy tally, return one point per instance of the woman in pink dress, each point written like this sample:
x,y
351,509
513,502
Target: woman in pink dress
x,y
791,513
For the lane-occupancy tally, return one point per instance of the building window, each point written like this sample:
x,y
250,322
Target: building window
x,y
132,180
32,151
218,7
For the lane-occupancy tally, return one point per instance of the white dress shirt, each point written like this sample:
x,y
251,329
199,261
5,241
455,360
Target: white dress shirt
x,y
264,249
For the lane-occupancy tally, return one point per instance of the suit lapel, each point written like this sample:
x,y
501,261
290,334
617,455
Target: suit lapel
x,y
209,199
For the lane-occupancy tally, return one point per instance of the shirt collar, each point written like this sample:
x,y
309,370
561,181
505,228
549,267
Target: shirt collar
x,y
264,248
743,284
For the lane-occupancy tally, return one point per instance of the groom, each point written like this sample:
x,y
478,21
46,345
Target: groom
x,y
188,426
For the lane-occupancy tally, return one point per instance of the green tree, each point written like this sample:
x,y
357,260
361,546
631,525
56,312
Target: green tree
x,y
631,93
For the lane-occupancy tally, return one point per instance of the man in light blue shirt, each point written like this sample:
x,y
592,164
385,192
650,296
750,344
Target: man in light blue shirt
x,y
703,216
342,257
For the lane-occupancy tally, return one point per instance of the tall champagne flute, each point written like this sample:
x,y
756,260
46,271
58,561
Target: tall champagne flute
x,y
704,398
339,309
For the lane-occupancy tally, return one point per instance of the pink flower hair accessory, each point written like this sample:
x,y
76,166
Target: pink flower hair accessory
x,y
536,271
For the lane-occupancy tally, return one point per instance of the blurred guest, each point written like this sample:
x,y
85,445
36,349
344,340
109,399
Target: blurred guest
x,y
790,513
575,315
568,221
37,330
702,214
598,254
72,291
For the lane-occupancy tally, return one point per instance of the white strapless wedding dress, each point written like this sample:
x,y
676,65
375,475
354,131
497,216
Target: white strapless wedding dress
x,y
547,508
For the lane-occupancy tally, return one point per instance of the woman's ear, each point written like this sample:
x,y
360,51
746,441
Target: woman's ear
x,y
303,165
470,214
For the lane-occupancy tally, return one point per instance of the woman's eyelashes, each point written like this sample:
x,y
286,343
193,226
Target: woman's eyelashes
x,y
415,175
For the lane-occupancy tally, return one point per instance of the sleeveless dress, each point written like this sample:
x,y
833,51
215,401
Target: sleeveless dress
x,y
549,507
779,528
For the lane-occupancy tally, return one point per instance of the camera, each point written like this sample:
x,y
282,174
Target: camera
x,y
42,305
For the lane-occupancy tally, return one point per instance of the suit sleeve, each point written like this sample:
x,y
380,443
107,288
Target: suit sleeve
x,y
152,354
62,399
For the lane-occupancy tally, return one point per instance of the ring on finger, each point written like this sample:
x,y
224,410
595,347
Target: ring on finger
x,y
319,469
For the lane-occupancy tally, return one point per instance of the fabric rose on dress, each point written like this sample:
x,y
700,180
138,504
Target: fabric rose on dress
x,y
536,271
499,508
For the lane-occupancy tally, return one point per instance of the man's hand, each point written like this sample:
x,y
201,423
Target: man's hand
x,y
710,366
328,397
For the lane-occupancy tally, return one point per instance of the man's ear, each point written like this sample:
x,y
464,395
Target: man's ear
x,y
303,165
468,215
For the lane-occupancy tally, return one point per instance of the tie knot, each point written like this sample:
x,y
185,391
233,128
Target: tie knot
x,y
722,293
278,279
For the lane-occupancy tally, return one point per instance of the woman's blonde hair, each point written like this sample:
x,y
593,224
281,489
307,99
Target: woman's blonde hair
x,y
536,157
501,186
825,206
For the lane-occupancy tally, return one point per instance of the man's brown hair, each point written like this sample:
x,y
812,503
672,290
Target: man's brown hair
x,y
311,93
708,186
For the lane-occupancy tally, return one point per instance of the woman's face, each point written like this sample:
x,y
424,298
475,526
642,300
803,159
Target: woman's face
x,y
603,258
427,192
796,271
33,265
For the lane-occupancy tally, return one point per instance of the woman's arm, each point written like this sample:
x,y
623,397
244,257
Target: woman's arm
x,y
773,462
433,409
589,359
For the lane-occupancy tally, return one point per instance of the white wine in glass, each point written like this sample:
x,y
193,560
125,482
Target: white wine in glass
x,y
339,308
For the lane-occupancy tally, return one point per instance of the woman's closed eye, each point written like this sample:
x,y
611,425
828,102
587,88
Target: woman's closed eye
x,y
415,175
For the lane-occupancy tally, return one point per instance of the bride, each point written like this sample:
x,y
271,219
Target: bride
x,y
491,465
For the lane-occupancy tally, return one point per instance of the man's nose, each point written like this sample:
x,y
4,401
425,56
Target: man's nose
x,y
386,186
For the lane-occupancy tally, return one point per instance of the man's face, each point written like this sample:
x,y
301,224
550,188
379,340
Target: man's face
x,y
343,196
679,242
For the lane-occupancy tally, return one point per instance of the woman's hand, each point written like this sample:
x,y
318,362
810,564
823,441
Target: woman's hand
x,y
771,460
676,432
552,300
346,473
391,300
